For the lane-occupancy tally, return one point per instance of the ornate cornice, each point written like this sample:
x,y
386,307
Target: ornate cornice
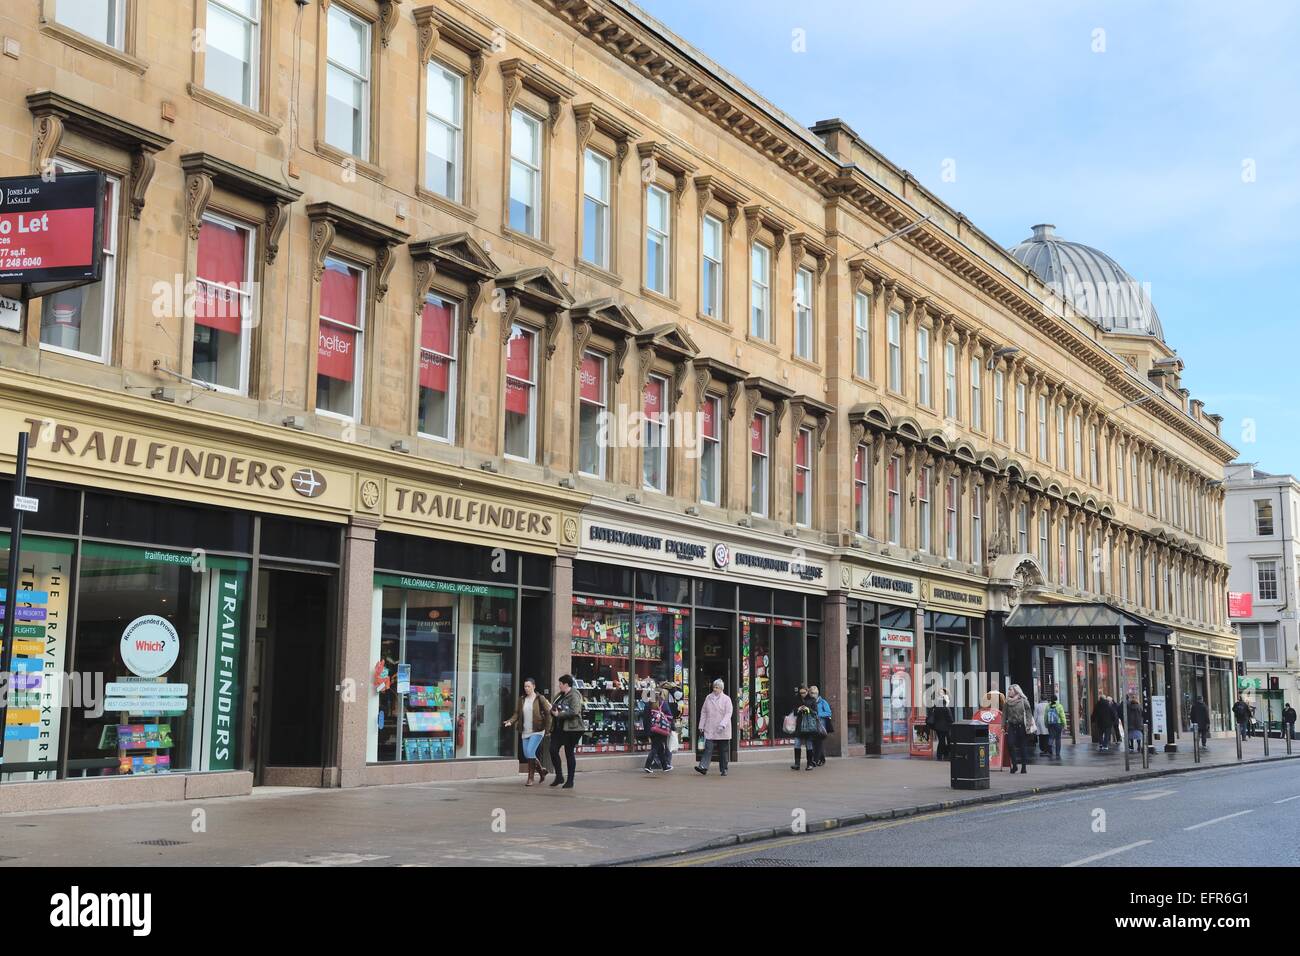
x,y
591,117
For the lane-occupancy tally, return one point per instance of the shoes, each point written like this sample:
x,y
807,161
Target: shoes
x,y
542,773
794,766
649,770
1024,768
1013,768
668,769
808,767
568,785
701,771
723,772
557,781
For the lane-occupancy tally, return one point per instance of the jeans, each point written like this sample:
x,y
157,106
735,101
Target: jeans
x,y
1105,739
1136,740
1019,745
658,752
724,752
567,739
1054,739
1243,730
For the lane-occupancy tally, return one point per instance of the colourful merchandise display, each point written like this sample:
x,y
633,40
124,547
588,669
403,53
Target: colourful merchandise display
x,y
430,726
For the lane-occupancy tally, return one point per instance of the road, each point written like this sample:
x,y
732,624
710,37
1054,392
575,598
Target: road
x,y
1247,816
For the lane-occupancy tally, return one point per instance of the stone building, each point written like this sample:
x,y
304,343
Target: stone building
x,y
443,345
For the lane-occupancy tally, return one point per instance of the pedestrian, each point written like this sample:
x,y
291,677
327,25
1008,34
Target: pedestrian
x,y
1103,723
940,719
531,721
822,708
800,743
1018,717
661,717
1288,720
1241,711
567,728
674,739
1054,722
715,724
1118,710
1201,720
1040,718
1136,736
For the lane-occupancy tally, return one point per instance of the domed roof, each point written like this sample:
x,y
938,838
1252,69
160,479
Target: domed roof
x,y
1091,281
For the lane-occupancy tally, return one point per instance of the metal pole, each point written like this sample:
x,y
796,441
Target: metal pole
x,y
1120,683
1288,738
1146,754
11,589
1196,743
1266,730
1236,732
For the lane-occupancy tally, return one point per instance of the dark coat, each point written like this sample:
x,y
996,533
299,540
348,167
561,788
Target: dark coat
x,y
1201,715
940,718
1241,710
1133,715
1103,718
1288,715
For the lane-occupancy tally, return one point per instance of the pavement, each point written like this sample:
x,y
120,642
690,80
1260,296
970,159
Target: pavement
x,y
1229,816
610,816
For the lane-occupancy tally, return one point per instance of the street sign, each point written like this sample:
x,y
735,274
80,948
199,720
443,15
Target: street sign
x,y
23,503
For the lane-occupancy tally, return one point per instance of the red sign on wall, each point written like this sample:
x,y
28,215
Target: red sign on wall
x,y
51,230
1240,604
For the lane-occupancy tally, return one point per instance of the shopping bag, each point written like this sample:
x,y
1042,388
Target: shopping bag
x,y
790,725
673,742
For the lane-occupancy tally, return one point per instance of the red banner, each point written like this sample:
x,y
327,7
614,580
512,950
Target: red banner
x,y
437,326
519,355
222,258
653,400
47,240
434,372
710,409
340,293
517,394
590,378
758,435
336,352
1241,604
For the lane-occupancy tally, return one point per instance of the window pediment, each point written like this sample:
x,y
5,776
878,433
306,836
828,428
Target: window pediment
x,y
660,154
520,76
592,118
55,114
434,27
203,172
710,188
329,219
539,290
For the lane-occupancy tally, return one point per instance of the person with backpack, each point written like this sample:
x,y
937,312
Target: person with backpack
x,y
660,719
807,726
1054,722
1241,712
790,726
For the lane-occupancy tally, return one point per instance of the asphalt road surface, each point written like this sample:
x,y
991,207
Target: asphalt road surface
x,y
1235,816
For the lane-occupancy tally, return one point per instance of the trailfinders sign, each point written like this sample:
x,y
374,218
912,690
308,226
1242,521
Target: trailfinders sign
x,y
79,450
481,515
51,229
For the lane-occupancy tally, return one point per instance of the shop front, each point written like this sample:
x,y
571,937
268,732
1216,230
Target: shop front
x,y
881,655
659,604
954,644
1206,671
176,611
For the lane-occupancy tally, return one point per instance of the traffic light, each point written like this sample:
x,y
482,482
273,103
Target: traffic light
x,y
1272,683
1241,668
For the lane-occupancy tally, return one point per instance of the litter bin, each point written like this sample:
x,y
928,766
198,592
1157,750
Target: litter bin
x,y
969,744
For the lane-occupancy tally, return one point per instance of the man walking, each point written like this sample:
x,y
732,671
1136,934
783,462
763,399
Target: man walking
x,y
1288,720
1054,721
1201,720
1136,735
1241,712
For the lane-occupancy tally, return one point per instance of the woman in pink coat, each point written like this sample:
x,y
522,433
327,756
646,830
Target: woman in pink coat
x,y
715,724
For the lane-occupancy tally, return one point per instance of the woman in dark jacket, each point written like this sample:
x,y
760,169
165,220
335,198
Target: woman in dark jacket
x,y
940,719
1103,723
659,742
801,743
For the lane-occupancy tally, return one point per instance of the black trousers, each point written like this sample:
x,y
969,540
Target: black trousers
x,y
724,754
941,748
569,741
658,752
1019,744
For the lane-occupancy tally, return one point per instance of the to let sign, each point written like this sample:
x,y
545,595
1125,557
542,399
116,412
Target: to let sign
x,y
1240,603
51,229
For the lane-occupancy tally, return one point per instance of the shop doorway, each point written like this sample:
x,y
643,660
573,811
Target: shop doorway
x,y
713,659
293,657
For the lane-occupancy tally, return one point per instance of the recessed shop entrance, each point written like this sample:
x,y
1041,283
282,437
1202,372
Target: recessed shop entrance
x,y
714,639
293,653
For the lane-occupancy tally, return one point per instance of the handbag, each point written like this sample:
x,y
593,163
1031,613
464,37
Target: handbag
x,y
660,723
810,726
531,743
674,742
790,725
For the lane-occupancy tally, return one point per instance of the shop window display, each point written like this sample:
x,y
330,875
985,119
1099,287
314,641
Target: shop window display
x,y
166,631
601,645
660,655
760,664
443,680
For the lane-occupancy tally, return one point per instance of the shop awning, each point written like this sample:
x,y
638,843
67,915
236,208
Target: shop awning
x,y
1068,624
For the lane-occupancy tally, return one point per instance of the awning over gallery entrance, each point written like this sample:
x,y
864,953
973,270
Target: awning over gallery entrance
x,y
1069,624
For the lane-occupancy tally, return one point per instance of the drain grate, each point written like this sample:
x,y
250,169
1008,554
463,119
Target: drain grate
x,y
600,824
764,861
161,842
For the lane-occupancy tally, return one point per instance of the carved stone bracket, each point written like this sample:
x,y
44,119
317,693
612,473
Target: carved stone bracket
x,y
322,238
388,15
581,335
198,190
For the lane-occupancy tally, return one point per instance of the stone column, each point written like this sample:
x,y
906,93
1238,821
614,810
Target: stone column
x,y
835,666
356,623
561,618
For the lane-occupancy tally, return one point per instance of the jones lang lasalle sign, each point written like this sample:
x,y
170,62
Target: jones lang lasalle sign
x,y
50,230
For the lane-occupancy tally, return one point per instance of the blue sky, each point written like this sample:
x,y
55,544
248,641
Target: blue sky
x,y
1141,150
